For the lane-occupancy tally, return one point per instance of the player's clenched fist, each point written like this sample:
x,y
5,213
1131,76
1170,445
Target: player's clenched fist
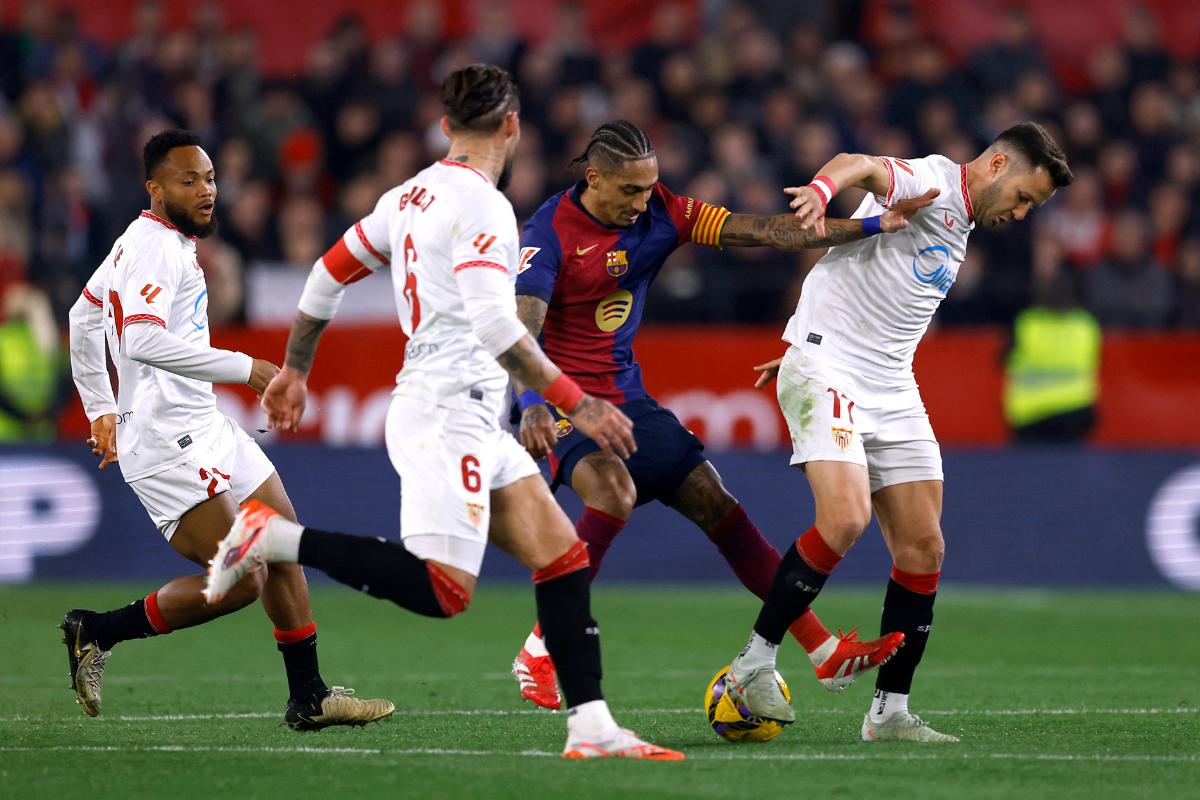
x,y
606,425
103,440
284,399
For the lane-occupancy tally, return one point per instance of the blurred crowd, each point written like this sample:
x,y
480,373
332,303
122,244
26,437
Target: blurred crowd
x,y
748,101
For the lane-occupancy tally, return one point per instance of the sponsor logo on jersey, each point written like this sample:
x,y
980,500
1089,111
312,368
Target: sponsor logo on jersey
x,y
613,310
814,338
949,221
930,266
475,514
842,436
616,262
200,311
185,441
564,428
583,251
527,254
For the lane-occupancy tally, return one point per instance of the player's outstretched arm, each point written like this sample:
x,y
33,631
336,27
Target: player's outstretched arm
x,y
599,419
537,424
286,396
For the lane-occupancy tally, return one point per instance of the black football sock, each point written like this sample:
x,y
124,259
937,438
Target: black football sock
x,y
795,587
299,649
122,624
383,569
572,638
911,613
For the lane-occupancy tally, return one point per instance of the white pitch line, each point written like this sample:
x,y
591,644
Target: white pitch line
x,y
530,712
876,754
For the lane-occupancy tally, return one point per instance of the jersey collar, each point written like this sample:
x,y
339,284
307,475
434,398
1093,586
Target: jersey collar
x,y
966,195
166,224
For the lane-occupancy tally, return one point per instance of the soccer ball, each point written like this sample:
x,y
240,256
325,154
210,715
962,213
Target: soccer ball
x,y
732,721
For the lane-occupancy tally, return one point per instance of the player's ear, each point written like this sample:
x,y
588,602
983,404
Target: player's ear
x,y
997,164
512,125
445,126
592,175
154,190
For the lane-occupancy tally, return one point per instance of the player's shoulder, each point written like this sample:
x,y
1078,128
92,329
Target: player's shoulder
x,y
150,239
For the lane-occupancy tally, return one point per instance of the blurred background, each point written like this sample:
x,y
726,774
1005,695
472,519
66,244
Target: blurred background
x,y
1062,373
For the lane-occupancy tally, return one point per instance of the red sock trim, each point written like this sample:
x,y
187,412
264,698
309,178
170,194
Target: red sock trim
x,y
919,582
816,552
606,518
537,629
155,615
573,560
731,519
295,634
809,631
452,597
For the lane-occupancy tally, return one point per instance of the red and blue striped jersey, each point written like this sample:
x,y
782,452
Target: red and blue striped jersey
x,y
595,277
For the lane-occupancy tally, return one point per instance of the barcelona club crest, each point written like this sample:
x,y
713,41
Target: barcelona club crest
x,y
616,262
841,437
564,427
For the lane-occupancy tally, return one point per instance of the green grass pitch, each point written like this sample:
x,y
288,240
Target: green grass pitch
x,y
1055,694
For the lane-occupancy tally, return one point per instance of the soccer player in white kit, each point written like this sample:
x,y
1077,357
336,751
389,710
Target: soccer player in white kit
x,y
187,462
450,239
846,387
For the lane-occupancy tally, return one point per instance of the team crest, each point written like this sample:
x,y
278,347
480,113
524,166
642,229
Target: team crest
x,y
841,437
564,427
616,262
475,514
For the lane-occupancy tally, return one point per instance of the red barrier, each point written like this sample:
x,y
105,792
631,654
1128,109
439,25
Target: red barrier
x,y
1150,385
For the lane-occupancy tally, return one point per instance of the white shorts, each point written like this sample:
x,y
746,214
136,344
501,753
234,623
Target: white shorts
x,y
449,461
834,415
225,459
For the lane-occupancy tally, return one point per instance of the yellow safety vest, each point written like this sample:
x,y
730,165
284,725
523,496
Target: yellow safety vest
x,y
1054,364
28,377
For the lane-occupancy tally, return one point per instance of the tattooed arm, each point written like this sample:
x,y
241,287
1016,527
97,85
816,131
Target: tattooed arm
x,y
538,432
286,396
785,232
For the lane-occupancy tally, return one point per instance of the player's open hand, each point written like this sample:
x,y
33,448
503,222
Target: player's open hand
x,y
284,399
767,372
809,206
261,374
896,218
538,431
606,425
103,440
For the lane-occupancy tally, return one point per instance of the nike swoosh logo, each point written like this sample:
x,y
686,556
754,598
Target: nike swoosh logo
x,y
583,251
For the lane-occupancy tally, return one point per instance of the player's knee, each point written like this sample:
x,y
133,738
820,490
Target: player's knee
x,y
922,554
842,528
614,494
244,592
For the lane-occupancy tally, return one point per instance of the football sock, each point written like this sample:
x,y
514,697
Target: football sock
x,y
571,636
758,653
138,620
597,530
299,649
283,539
751,557
822,652
534,644
884,704
589,721
383,569
813,637
798,581
908,608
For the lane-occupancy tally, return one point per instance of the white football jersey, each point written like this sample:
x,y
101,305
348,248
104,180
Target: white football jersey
x,y
447,218
151,276
867,304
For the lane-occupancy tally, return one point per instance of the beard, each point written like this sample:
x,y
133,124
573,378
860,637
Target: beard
x,y
505,175
187,226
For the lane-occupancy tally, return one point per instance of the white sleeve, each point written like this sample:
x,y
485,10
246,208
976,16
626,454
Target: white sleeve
x,y
322,292
155,346
364,248
909,178
491,307
89,369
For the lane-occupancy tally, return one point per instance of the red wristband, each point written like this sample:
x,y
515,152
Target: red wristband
x,y
825,187
564,393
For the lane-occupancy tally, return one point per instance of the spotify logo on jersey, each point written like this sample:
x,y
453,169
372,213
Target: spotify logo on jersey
x,y
613,310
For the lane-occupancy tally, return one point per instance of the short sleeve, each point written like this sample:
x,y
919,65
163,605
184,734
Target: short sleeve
x,y
485,236
908,178
696,221
145,282
541,255
365,247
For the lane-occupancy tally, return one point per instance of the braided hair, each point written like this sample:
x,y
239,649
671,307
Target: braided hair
x,y
614,143
476,98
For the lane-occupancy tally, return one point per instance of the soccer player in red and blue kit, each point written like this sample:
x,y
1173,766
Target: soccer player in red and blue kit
x,y
588,257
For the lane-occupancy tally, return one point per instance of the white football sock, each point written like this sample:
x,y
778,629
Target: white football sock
x,y
758,653
536,645
590,722
884,704
824,651
283,540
